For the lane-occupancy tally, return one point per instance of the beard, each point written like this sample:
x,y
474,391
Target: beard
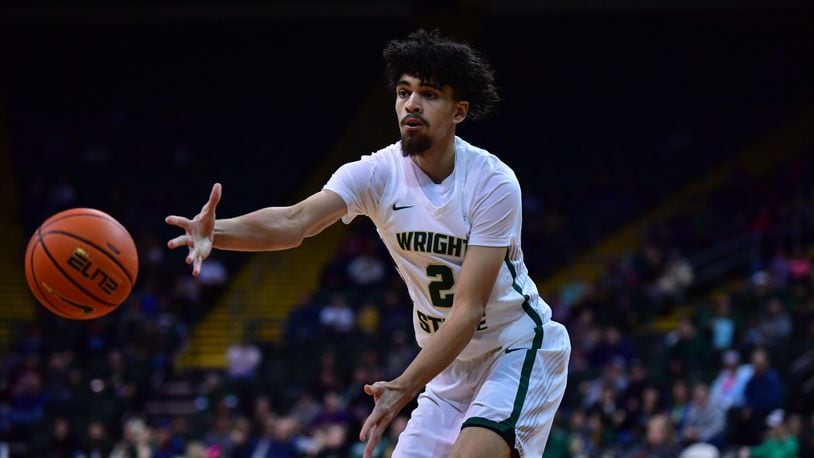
x,y
414,145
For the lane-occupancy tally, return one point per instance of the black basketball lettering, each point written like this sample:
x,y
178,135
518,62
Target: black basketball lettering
x,y
59,267
100,249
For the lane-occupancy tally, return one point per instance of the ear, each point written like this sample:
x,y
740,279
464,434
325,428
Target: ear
x,y
461,110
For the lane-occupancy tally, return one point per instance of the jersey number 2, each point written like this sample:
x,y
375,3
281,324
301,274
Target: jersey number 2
x,y
440,285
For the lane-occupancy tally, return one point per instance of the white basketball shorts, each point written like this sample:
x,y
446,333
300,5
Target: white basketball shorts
x,y
514,391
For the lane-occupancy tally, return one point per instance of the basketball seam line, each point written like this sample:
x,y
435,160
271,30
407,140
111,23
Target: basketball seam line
x,y
37,283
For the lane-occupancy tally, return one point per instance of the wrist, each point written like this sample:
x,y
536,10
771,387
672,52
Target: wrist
x,y
407,385
218,231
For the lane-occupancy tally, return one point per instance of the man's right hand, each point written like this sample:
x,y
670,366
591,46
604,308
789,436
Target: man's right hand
x,y
199,231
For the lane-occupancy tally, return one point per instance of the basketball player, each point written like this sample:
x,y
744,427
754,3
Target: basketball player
x,y
492,362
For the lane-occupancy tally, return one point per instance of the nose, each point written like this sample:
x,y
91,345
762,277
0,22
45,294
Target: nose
x,y
413,104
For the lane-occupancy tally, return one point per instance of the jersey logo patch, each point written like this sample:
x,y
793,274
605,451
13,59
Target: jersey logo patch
x,y
395,208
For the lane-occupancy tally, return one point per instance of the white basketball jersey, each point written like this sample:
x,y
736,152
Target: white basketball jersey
x,y
427,229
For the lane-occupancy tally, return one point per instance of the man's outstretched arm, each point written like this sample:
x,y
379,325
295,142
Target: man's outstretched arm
x,y
279,228
267,229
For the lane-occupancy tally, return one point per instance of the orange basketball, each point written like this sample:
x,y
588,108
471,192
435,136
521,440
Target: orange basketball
x,y
81,264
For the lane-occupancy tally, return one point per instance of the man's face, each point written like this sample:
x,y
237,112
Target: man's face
x,y
427,114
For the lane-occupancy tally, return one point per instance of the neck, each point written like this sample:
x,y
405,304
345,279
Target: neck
x,y
438,162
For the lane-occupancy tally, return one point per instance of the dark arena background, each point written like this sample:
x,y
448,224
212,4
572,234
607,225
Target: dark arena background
x,y
665,151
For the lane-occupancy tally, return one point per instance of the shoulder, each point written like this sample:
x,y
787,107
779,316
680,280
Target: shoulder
x,y
379,166
485,166
486,172
387,155
371,168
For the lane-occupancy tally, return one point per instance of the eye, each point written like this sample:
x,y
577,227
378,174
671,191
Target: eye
x,y
430,95
403,93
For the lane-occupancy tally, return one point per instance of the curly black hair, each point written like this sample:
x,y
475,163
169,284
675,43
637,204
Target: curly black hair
x,y
438,60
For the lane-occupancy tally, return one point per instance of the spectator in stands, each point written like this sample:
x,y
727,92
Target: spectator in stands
x,y
587,434
98,444
611,346
278,439
676,276
241,442
705,421
779,268
700,450
613,376
242,359
652,405
610,412
401,352
722,325
762,395
218,437
305,409
303,322
27,405
631,401
165,447
775,325
196,450
118,377
136,442
779,442
213,275
679,404
688,351
330,427
800,266
585,335
261,412
367,319
337,317
333,411
394,315
728,387
63,443
366,269
659,440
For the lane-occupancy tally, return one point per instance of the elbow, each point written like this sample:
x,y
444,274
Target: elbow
x,y
286,233
296,237
473,314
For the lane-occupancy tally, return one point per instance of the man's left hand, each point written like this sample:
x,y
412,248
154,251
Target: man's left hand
x,y
389,399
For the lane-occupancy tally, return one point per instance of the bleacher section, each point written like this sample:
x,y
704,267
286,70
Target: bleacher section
x,y
16,303
267,287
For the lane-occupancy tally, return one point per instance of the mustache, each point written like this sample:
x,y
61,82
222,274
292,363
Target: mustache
x,y
415,117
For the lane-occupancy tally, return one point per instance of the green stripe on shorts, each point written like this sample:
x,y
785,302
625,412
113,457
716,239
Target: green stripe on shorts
x,y
506,426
